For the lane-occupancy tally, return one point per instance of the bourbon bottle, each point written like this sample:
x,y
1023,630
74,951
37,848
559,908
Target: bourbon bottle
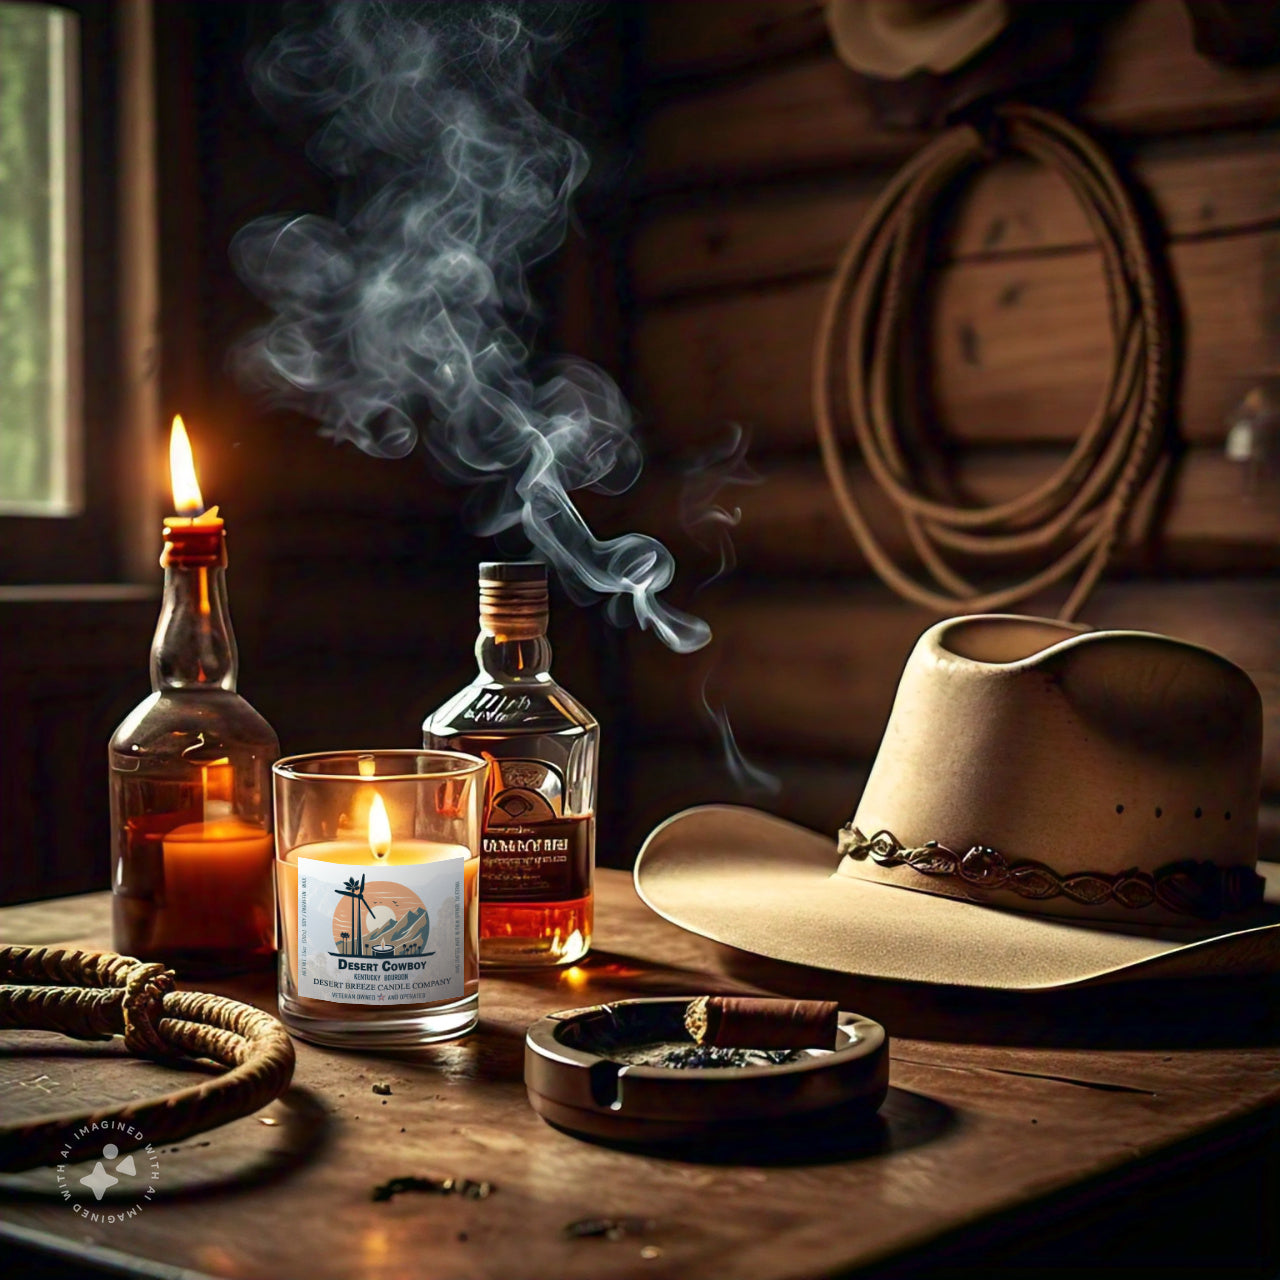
x,y
537,855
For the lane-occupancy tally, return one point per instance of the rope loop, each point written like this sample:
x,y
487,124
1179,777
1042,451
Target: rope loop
x,y
143,1004
96,994
865,378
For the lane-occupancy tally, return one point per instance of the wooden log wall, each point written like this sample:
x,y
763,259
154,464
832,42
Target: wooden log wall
x,y
759,156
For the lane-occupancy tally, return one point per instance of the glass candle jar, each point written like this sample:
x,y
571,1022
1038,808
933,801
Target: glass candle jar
x,y
377,854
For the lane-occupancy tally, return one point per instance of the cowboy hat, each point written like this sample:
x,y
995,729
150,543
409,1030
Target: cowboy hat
x,y
893,39
1049,807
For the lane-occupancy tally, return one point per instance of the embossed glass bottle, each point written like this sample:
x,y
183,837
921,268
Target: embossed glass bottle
x,y
537,857
190,773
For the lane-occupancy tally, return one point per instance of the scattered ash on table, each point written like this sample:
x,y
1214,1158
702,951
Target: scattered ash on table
x,y
686,1055
464,1187
607,1228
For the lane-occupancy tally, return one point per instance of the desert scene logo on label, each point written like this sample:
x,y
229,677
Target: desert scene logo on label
x,y
378,920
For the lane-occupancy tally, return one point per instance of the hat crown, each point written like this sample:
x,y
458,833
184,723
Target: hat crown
x,y
1089,753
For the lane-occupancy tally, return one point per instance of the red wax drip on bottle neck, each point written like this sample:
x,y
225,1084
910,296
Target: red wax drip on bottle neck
x,y
193,544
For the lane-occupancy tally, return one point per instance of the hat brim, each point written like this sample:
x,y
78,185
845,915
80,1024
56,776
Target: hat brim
x,y
764,885
940,44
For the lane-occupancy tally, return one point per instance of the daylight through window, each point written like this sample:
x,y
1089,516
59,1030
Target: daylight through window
x,y
39,400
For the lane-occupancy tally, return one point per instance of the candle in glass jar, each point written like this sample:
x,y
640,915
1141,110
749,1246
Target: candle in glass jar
x,y
394,928
376,861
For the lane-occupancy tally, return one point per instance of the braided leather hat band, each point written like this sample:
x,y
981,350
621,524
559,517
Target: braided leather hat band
x,y
1196,890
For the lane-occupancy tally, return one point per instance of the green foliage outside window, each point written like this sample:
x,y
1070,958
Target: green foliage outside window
x,y
33,360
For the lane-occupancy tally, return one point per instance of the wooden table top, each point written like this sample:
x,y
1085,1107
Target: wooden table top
x,y
995,1104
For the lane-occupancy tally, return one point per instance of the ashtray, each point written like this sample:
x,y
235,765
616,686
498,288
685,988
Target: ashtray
x,y
631,1072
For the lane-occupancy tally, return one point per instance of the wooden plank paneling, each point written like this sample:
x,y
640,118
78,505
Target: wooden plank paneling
x,y
1151,79
687,39
1014,207
1020,348
816,670
797,116
70,670
797,671
821,794
813,114
1218,516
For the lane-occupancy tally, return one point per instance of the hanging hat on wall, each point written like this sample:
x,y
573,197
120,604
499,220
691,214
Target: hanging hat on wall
x,y
925,61
894,38
1049,807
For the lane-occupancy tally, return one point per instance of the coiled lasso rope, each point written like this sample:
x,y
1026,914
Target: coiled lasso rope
x,y
863,370
96,995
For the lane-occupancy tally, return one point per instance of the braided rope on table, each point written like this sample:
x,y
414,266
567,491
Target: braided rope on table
x,y
864,376
97,995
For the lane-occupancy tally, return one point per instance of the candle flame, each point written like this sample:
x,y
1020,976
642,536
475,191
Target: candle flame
x,y
379,828
187,500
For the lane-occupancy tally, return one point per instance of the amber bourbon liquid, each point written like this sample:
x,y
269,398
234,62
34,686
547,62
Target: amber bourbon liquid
x,y
536,865
537,854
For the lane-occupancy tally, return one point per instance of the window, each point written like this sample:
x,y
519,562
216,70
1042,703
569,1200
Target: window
x,y
79,371
39,261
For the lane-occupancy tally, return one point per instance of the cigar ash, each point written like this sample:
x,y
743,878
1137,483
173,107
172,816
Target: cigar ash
x,y
684,1054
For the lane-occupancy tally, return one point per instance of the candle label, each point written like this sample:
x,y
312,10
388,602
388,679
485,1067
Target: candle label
x,y
369,939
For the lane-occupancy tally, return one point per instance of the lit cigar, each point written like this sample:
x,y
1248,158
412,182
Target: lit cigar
x,y
753,1022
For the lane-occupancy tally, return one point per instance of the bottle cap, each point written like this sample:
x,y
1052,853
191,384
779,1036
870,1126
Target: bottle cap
x,y
513,599
513,571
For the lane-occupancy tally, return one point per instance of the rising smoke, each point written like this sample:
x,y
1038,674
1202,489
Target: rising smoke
x,y
709,515
705,515
400,321
750,777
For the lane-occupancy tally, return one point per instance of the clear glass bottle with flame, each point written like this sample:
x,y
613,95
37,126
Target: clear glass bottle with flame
x,y
537,859
190,771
